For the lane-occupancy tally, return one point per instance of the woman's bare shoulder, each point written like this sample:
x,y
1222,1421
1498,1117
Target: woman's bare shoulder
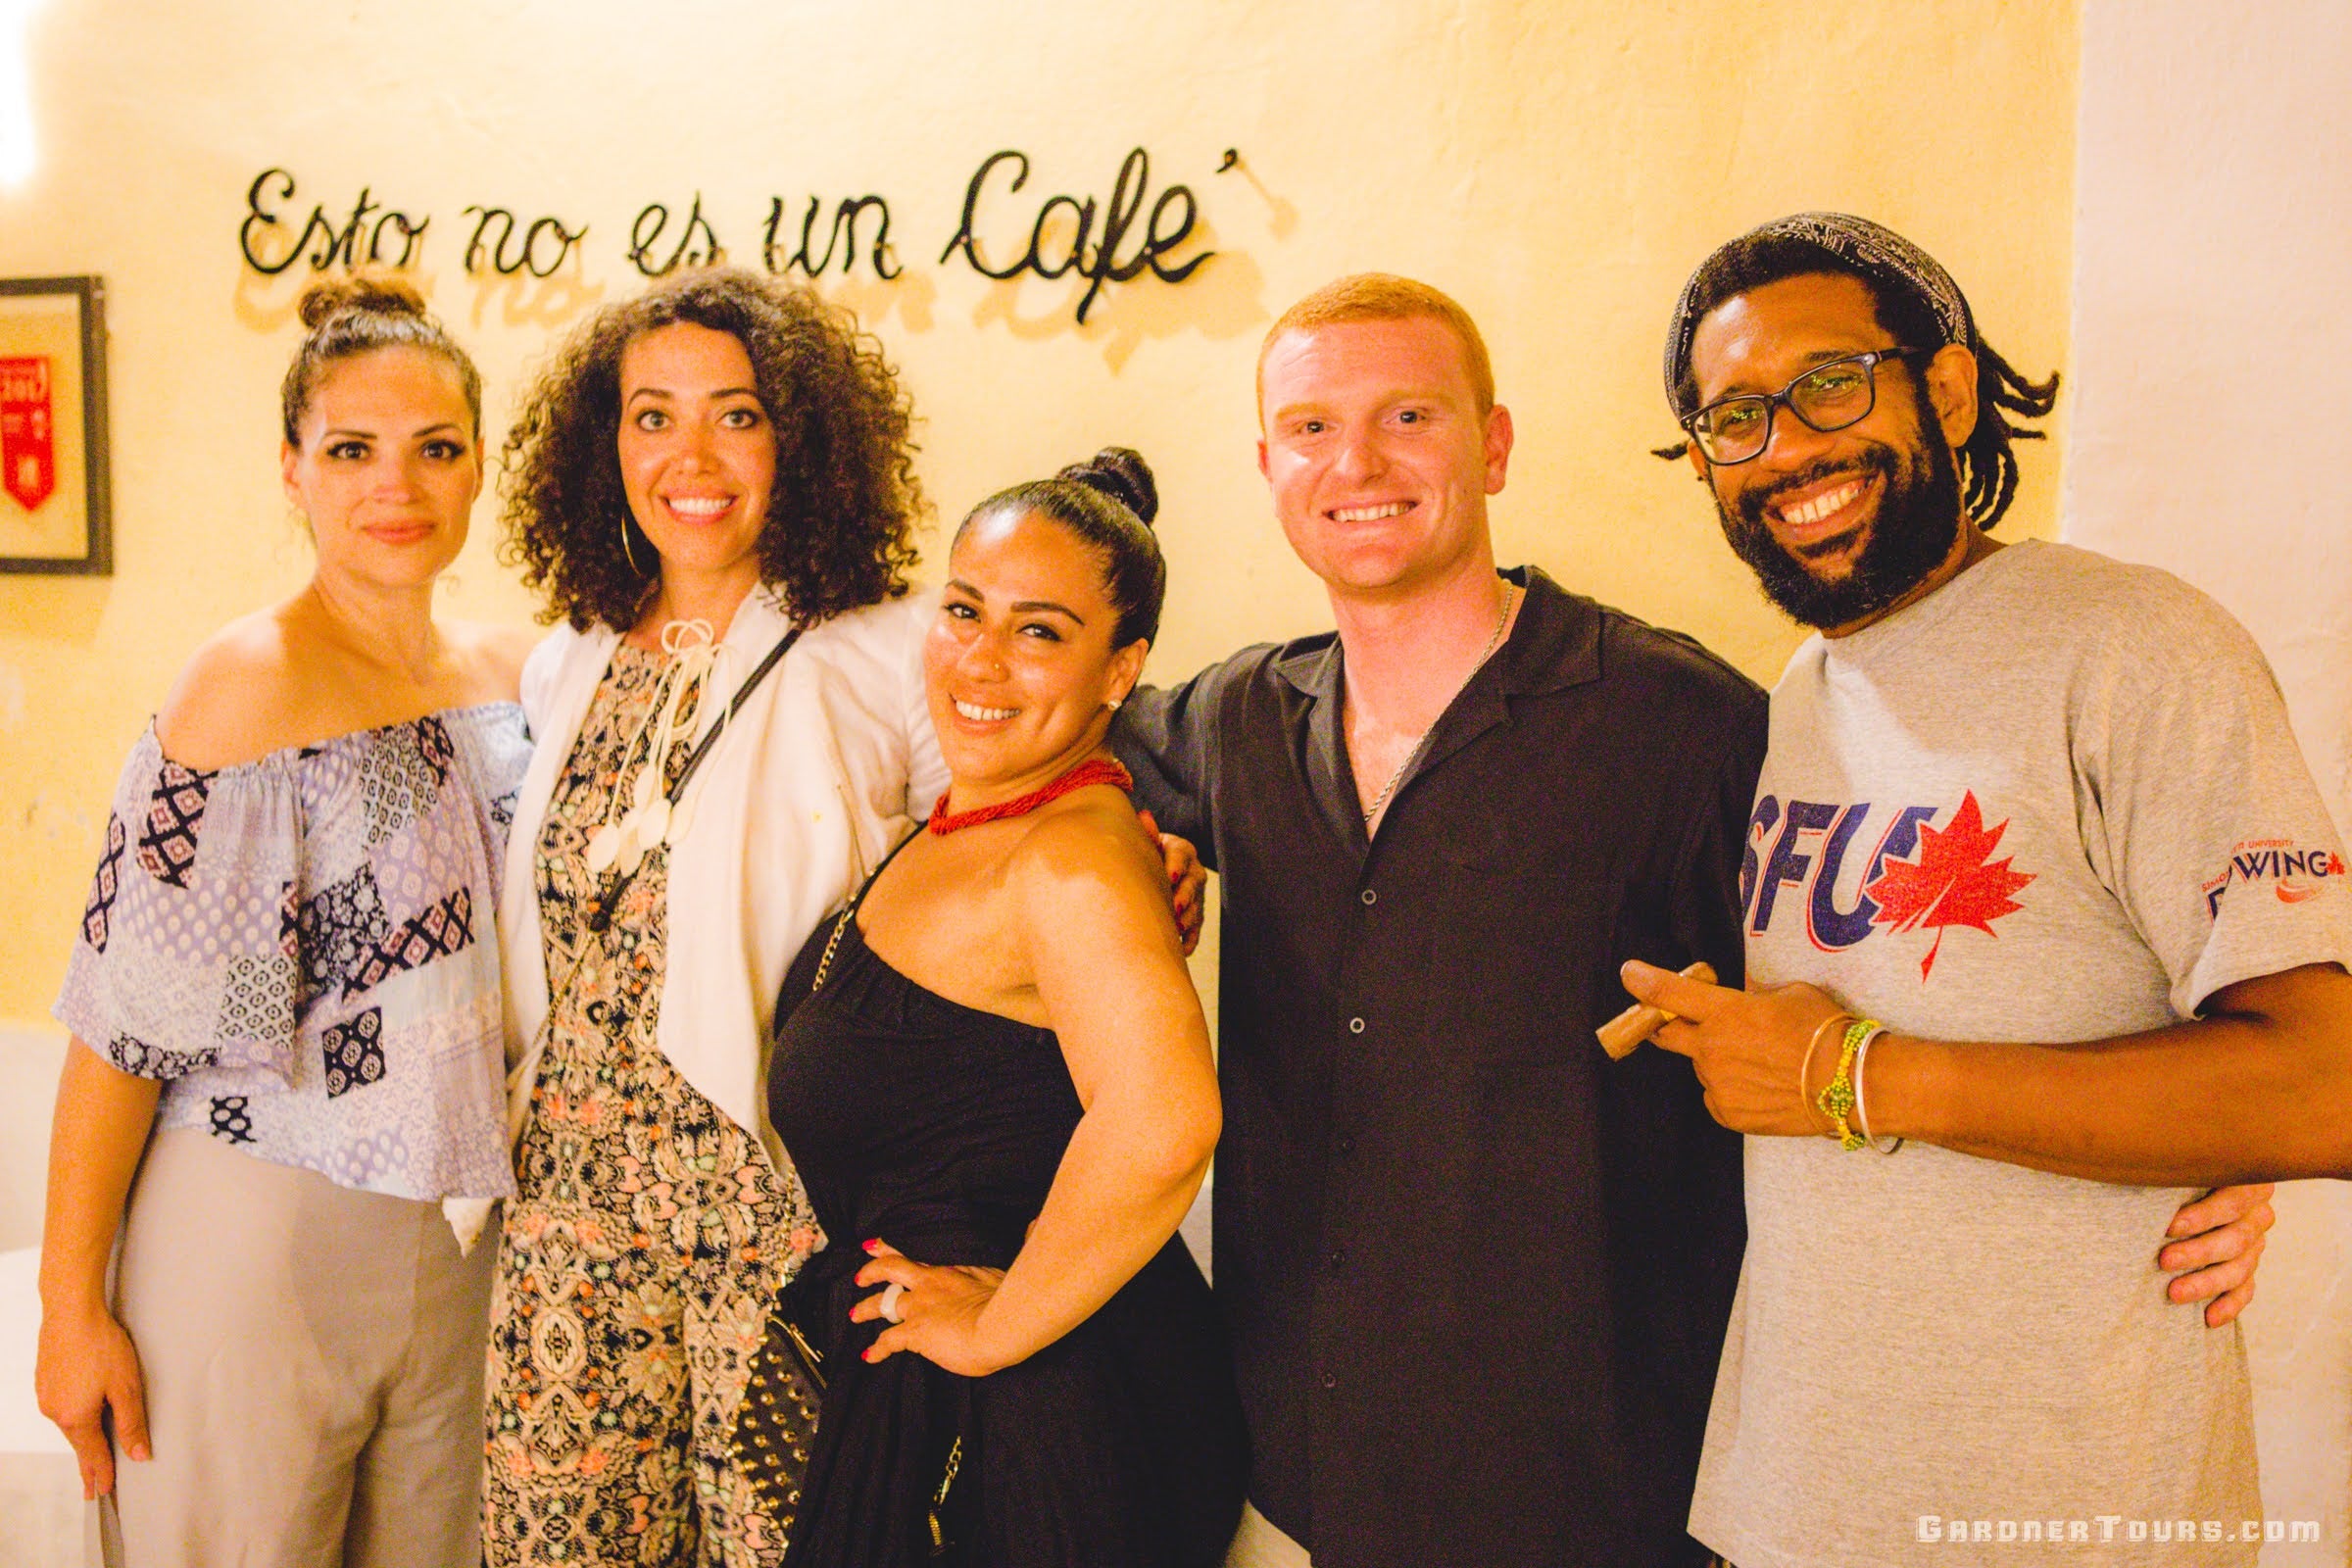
x,y
239,697
1083,850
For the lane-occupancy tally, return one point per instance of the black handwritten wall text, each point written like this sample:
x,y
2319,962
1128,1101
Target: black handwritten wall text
x,y
1100,240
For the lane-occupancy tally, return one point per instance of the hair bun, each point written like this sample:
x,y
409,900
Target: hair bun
x,y
1122,473
374,293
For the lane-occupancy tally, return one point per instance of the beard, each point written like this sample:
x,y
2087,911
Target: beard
x,y
1917,519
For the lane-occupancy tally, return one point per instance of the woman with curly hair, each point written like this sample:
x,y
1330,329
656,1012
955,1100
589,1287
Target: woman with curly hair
x,y
712,485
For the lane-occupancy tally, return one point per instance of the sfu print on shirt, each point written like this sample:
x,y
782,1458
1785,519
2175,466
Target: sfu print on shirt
x,y
1916,878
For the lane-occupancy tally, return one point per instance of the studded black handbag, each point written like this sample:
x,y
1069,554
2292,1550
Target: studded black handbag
x,y
776,1423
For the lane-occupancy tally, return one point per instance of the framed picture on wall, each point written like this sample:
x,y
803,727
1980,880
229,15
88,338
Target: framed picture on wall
x,y
54,513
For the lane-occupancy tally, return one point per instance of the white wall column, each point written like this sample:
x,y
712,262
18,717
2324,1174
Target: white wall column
x,y
2208,434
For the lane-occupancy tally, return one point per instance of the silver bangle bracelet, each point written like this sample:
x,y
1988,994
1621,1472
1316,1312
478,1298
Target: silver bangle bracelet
x,y
1861,1100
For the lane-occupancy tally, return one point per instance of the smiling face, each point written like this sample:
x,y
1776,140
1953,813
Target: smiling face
x,y
1379,456
388,467
1019,666
698,456
1839,526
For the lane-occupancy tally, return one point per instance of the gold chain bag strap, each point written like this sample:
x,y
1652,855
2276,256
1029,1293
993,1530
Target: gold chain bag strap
x,y
776,1422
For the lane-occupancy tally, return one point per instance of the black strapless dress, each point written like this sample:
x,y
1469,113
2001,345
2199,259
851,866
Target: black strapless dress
x,y
939,1128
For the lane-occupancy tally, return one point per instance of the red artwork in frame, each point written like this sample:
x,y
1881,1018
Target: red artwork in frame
x,y
55,512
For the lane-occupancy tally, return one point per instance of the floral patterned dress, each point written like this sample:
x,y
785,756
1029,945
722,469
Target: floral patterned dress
x,y
648,1234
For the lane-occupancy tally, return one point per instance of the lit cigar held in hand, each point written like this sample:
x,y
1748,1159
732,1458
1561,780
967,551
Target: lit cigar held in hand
x,y
1637,1023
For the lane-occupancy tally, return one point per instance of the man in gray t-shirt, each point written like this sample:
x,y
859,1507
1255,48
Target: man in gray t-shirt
x,y
2012,795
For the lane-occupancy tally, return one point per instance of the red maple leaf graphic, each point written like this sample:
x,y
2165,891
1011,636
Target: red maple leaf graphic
x,y
1955,881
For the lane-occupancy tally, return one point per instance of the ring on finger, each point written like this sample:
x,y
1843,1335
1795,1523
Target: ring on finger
x,y
888,1306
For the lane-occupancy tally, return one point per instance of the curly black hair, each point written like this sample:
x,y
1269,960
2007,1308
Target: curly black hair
x,y
840,516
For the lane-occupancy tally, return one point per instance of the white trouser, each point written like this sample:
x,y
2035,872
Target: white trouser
x,y
313,1358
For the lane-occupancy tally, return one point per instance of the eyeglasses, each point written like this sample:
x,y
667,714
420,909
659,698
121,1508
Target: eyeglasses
x,y
1828,396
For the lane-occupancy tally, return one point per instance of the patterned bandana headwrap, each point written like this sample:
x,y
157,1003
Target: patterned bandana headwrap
x,y
1880,255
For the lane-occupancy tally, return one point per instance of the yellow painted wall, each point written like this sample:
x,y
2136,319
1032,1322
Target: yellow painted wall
x,y
1559,165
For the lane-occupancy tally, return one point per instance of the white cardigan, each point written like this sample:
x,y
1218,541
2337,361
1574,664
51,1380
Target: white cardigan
x,y
821,773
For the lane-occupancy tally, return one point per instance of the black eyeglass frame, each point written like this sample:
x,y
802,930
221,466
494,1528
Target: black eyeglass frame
x,y
1774,402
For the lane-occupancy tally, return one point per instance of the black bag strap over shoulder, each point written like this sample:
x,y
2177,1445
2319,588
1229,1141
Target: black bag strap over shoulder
x,y
608,898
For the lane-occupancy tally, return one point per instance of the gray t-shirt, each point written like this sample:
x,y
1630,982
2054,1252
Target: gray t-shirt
x,y
2056,800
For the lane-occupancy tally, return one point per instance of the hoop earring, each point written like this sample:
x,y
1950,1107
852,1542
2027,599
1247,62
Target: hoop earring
x,y
628,549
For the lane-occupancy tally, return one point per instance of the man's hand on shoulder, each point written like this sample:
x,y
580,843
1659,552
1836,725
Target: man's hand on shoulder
x,y
1187,881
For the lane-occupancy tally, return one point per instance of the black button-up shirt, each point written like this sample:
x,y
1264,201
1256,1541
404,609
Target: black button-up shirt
x,y
1477,1273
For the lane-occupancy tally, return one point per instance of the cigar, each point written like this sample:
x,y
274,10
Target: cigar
x,y
1637,1023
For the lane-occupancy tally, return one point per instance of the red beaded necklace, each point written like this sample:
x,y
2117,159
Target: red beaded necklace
x,y
1093,770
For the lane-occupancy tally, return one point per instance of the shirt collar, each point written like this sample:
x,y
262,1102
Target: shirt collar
x,y
1554,644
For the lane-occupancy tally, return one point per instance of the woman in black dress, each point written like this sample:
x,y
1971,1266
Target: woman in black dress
x,y
1000,1093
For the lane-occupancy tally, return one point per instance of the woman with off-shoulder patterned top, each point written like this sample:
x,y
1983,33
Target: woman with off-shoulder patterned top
x,y
284,1086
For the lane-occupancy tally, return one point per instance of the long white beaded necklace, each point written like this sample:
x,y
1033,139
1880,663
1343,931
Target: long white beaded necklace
x,y
653,818
1510,591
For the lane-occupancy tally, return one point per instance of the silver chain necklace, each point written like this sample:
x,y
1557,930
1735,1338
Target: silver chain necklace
x,y
1509,595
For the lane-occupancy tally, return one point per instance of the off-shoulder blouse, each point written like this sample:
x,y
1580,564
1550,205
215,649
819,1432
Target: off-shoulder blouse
x,y
305,949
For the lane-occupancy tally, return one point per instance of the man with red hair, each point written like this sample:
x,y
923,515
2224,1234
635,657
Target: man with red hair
x,y
1477,1273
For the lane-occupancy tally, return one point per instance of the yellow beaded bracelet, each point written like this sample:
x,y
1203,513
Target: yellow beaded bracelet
x,y
1837,1098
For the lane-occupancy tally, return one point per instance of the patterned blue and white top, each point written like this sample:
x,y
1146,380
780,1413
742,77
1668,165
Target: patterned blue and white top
x,y
305,949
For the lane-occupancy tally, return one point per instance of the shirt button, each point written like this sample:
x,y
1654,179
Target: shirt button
x,y
1370,897
1356,1026
1330,1382
1338,1256
1347,1145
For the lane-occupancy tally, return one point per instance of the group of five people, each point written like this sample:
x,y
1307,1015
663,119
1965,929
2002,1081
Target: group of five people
x,y
394,924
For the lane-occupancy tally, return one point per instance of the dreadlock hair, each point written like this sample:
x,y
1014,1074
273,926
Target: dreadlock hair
x,y
1988,464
